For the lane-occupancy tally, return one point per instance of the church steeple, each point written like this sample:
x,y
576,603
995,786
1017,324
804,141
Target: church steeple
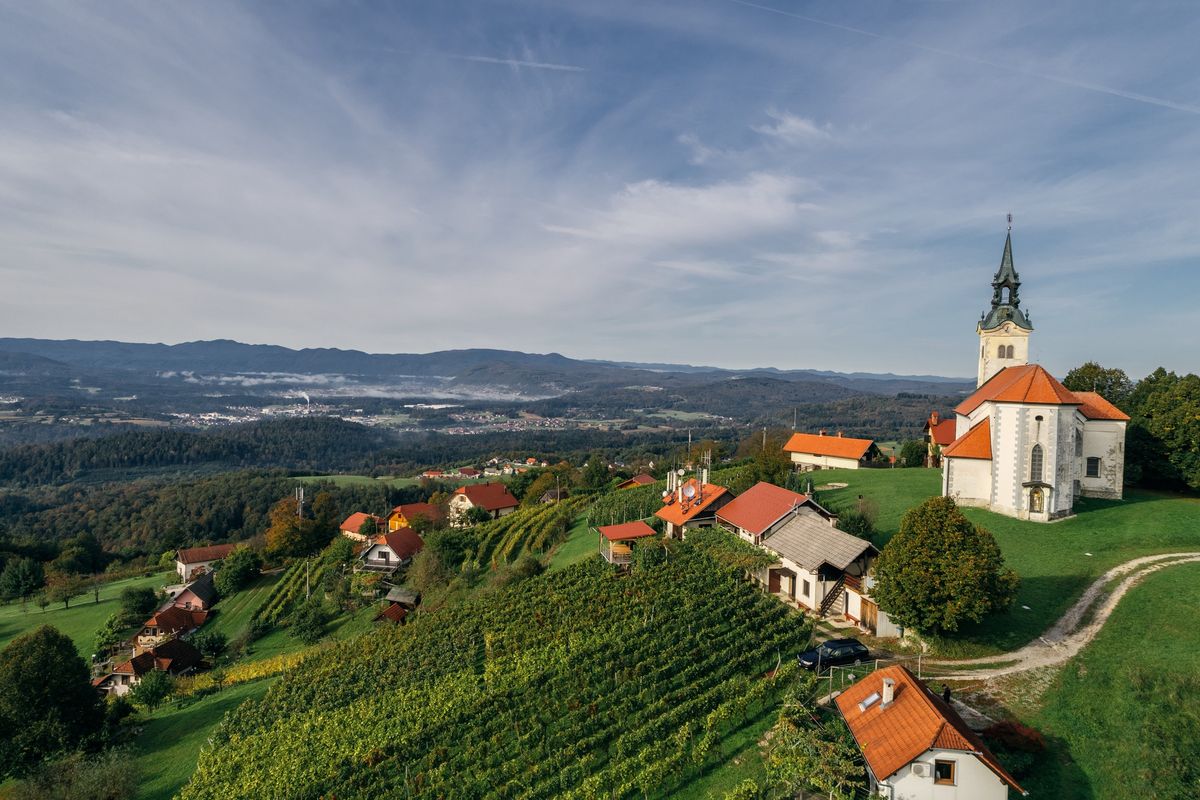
x,y
1006,286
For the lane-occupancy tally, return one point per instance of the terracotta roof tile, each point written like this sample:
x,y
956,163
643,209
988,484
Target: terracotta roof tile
x,y
1096,407
760,507
404,542
174,619
489,496
680,514
915,722
975,443
393,613
836,446
410,510
635,481
626,531
1028,383
196,555
943,432
354,522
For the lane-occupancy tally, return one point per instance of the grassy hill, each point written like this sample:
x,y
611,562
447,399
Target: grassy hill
x,y
576,682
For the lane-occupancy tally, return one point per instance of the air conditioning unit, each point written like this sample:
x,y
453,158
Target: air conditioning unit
x,y
920,770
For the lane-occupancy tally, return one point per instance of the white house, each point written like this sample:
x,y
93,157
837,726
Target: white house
x,y
811,451
691,504
174,656
191,562
917,747
390,551
1026,446
823,569
494,498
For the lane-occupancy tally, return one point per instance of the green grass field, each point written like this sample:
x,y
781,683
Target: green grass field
x,y
170,743
81,620
1123,718
1051,558
233,613
579,544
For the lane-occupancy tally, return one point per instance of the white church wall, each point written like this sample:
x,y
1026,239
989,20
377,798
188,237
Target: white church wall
x,y
968,481
1103,439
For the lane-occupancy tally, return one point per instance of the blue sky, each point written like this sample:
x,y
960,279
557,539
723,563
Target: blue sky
x,y
787,184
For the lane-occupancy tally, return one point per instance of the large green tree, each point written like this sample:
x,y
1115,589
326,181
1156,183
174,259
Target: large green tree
x,y
237,570
47,703
941,570
1164,434
137,602
21,578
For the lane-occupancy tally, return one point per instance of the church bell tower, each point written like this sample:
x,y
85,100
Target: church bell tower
x,y
1004,329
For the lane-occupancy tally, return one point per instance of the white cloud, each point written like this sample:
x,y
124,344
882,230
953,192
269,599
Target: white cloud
x,y
792,129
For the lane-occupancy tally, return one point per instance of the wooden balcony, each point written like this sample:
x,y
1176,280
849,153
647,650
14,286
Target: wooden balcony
x,y
854,582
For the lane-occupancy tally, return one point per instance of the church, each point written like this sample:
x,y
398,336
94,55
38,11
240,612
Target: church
x,y
1026,446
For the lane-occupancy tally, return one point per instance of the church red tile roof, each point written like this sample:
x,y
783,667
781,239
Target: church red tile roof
x,y
625,531
488,496
760,507
1028,383
975,443
836,446
917,721
1096,407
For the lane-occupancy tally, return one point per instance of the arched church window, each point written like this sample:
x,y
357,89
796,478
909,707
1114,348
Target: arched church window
x,y
1008,351
1035,463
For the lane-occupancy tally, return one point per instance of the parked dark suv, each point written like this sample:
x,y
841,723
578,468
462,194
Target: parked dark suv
x,y
835,653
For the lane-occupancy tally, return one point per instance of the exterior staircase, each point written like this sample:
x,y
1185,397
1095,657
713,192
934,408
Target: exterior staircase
x,y
832,596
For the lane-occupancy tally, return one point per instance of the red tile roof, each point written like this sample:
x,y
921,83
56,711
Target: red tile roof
x,y
197,555
410,510
975,443
836,446
355,521
703,499
1028,383
489,496
916,722
760,507
174,619
393,613
173,656
636,480
943,432
1096,407
470,472
626,531
404,542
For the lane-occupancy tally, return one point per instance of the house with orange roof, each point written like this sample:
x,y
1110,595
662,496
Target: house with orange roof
x,y
1025,445
940,433
494,498
636,481
352,526
810,451
169,622
691,504
175,657
390,551
191,562
915,745
402,516
617,541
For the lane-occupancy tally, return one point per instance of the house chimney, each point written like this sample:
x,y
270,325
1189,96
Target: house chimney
x,y
839,434
889,692
933,418
821,432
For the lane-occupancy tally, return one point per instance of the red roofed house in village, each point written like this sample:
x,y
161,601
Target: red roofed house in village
x,y
691,504
915,745
811,451
939,434
193,561
352,526
616,540
759,510
175,656
403,515
1025,445
199,595
493,498
390,551
469,472
635,482
168,623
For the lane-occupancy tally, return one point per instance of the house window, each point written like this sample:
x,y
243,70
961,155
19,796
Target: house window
x,y
807,589
1035,463
1093,467
943,773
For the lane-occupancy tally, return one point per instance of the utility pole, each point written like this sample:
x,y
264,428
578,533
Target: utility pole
x,y
307,587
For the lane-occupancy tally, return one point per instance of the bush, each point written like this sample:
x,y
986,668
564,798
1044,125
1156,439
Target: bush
x,y
309,622
137,603
152,690
211,643
237,570
108,776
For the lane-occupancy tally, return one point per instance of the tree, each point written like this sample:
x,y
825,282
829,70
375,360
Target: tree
x,y
912,453
941,570
1112,384
810,752
309,622
63,588
595,472
21,578
211,643
237,570
111,633
153,689
112,775
1164,434
167,559
768,462
427,571
476,515
47,703
137,602
369,528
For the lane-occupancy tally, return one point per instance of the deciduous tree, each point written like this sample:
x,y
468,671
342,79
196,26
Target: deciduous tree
x,y
154,688
21,578
1112,384
237,570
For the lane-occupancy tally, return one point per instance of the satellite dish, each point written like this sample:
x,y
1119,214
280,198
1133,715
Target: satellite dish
x,y
689,491
680,473
666,494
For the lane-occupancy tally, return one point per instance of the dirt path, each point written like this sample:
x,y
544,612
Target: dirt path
x,y
1068,636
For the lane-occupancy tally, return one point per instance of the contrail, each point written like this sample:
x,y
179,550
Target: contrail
x,y
516,62
1091,87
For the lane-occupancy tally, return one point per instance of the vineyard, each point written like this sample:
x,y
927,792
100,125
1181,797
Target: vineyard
x,y
630,504
582,683
532,530
291,587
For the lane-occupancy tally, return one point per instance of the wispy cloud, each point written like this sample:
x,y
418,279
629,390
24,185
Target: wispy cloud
x,y
518,62
792,128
